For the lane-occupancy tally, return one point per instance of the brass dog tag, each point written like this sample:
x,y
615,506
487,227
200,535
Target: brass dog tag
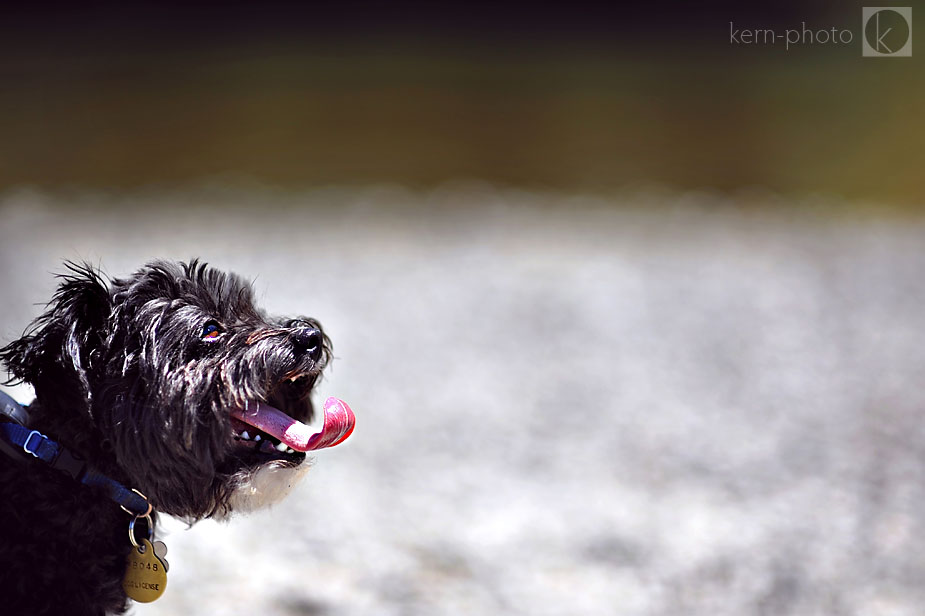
x,y
145,574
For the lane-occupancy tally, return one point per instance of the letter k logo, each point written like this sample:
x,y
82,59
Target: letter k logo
x,y
887,31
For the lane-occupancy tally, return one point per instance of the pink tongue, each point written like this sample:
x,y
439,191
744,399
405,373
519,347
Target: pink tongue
x,y
338,425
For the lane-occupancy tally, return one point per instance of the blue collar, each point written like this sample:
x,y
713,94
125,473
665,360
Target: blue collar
x,y
19,442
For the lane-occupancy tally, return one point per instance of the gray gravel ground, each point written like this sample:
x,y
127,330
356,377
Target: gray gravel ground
x,y
652,405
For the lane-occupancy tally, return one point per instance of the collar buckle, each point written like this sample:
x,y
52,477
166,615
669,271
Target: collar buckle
x,y
33,450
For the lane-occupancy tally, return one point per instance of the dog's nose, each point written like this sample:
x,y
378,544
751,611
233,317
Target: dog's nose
x,y
308,339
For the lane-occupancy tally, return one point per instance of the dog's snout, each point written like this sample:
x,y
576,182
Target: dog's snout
x,y
308,339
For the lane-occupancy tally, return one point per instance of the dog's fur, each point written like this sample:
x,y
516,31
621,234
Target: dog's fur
x,y
130,375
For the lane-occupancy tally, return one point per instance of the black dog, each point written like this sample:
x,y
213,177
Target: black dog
x,y
170,383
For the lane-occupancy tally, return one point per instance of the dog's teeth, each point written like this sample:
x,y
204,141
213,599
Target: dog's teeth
x,y
282,447
290,450
245,436
256,437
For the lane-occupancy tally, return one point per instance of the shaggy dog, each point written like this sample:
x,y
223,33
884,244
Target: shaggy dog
x,y
167,391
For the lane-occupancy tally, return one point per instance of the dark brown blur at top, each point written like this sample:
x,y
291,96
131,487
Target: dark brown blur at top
x,y
567,98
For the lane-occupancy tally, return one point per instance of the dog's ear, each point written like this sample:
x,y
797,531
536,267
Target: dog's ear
x,y
55,351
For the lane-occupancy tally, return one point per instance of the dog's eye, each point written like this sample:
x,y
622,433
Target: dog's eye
x,y
211,331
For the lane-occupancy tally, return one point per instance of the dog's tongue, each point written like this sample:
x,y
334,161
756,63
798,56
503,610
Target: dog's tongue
x,y
338,425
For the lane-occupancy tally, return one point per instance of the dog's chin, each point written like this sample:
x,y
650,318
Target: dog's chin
x,y
266,485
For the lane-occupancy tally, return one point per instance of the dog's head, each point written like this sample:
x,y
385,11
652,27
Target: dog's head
x,y
174,380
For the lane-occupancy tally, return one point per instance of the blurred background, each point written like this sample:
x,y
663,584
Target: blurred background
x,y
630,310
